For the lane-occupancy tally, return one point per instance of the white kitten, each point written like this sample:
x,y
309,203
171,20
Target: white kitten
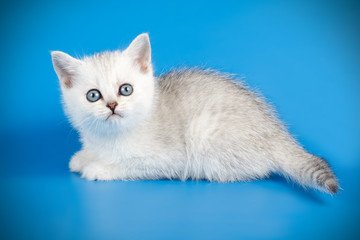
x,y
191,123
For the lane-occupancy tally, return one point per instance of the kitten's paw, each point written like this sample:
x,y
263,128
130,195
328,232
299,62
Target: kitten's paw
x,y
99,171
78,161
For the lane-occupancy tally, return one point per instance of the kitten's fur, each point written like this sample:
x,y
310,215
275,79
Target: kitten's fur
x,y
186,124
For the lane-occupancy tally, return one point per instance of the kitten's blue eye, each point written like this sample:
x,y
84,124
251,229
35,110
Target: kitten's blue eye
x,y
93,95
126,89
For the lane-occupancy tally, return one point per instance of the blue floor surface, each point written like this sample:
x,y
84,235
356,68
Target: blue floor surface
x,y
41,199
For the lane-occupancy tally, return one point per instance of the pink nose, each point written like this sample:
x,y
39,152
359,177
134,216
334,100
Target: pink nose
x,y
112,106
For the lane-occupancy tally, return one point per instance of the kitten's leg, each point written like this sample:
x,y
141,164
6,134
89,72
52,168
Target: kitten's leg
x,y
98,170
79,160
130,169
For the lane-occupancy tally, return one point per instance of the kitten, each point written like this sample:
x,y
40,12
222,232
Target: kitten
x,y
186,124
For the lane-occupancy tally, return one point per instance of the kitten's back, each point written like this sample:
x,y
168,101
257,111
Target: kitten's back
x,y
231,133
189,92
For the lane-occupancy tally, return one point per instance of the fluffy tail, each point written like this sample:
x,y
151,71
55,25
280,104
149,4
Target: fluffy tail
x,y
310,170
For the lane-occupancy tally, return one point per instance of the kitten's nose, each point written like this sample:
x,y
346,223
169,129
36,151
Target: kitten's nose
x,y
112,106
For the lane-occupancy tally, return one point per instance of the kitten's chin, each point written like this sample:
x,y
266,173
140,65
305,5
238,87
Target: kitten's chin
x,y
114,121
111,125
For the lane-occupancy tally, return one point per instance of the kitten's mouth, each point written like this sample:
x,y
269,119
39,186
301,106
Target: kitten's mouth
x,y
114,115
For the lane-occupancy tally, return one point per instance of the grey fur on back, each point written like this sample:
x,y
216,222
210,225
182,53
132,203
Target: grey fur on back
x,y
229,133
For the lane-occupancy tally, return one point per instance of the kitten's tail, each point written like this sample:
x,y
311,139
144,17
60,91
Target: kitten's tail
x,y
310,170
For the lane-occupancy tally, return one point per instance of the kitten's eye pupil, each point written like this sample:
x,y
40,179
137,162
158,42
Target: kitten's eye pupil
x,y
93,95
126,89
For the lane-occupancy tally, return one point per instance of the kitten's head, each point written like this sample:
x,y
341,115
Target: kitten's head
x,y
107,92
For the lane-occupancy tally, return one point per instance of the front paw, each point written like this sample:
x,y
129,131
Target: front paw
x,y
78,161
99,171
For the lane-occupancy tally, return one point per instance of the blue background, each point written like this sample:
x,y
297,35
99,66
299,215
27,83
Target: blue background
x,y
302,55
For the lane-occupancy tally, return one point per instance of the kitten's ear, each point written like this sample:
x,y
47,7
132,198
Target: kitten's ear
x,y
140,51
65,67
